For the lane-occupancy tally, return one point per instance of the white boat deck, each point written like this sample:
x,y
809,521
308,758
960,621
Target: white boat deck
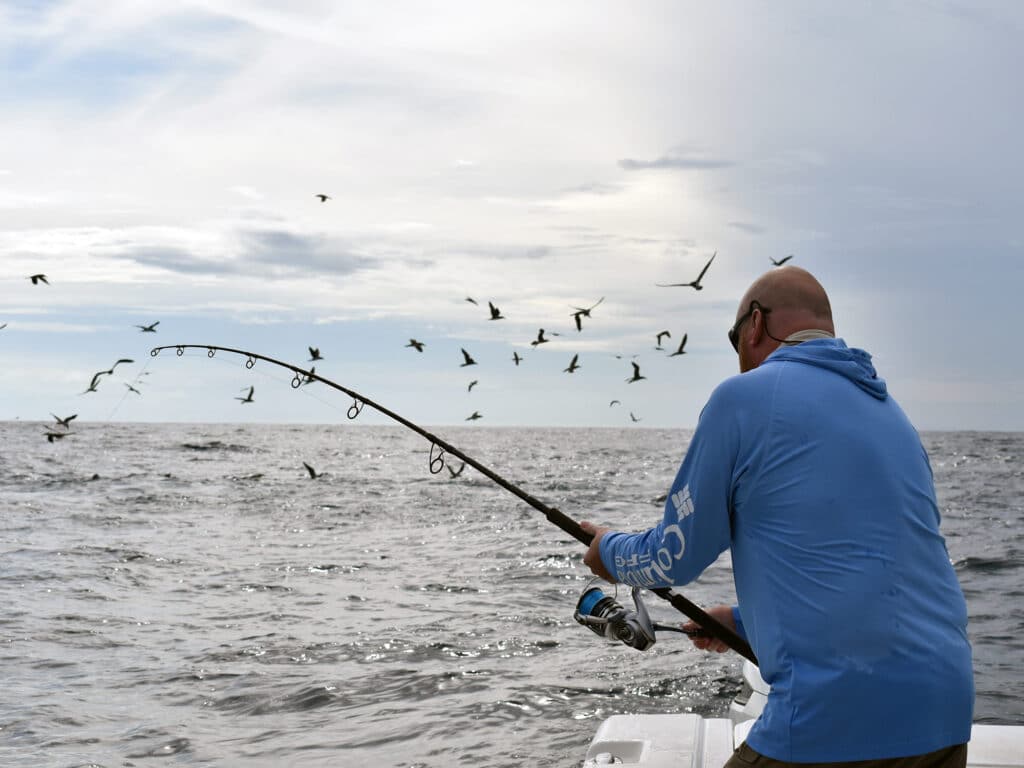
x,y
691,741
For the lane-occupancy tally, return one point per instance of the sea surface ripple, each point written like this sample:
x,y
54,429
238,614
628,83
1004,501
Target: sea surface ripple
x,y
185,594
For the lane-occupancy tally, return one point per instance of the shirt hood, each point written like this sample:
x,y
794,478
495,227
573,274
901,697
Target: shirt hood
x,y
834,355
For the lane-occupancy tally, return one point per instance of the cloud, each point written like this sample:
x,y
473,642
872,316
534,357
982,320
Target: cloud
x,y
675,160
175,259
288,252
594,188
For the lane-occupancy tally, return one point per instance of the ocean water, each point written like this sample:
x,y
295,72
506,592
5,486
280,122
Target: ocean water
x,y
186,594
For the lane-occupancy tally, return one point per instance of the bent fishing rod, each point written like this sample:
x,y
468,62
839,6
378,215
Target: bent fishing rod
x,y
439,447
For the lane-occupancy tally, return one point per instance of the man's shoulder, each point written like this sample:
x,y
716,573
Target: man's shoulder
x,y
744,385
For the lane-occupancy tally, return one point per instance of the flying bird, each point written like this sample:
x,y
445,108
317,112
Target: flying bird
x,y
96,376
781,261
3,326
247,398
455,472
682,344
582,312
472,384
323,198
540,339
471,300
36,279
696,283
132,389
417,345
614,402
66,421
149,328
51,435
634,418
495,312
663,333
573,365
314,354
516,358
308,379
468,360
474,416
636,374
313,474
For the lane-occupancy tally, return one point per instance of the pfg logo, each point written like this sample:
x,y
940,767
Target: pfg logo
x,y
682,502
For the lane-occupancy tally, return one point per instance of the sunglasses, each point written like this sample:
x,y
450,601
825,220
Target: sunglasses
x,y
734,332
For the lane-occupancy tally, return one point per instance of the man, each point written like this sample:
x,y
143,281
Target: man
x,y
812,475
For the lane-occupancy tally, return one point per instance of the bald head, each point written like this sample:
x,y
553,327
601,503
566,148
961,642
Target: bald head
x,y
790,300
796,298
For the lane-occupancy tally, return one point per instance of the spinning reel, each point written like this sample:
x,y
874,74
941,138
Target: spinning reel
x,y
606,617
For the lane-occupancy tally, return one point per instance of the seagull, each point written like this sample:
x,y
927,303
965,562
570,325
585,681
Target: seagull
x,y
636,374
66,421
634,418
663,333
696,283
495,312
3,326
469,360
456,472
132,389
36,279
472,384
149,328
323,198
614,402
309,379
96,376
583,312
314,354
540,339
471,300
781,261
110,370
516,358
247,398
474,416
682,344
51,435
417,345
572,365
313,474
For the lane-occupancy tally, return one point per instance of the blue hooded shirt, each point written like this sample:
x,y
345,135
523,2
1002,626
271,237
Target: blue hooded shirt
x,y
814,477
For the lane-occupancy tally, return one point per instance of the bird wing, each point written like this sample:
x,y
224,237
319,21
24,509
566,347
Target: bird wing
x,y
672,285
312,472
706,267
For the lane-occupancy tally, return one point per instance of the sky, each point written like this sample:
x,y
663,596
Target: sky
x,y
160,161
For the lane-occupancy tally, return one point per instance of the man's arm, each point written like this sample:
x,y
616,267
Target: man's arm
x,y
695,528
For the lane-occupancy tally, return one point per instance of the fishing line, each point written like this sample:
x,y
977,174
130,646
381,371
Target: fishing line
x,y
127,392
436,463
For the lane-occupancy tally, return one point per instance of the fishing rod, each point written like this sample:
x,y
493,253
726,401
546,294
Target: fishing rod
x,y
439,447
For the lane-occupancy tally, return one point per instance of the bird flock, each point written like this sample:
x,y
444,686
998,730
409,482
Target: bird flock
x,y
61,426
578,314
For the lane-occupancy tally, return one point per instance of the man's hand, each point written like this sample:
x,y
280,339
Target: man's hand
x,y
593,557
723,613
